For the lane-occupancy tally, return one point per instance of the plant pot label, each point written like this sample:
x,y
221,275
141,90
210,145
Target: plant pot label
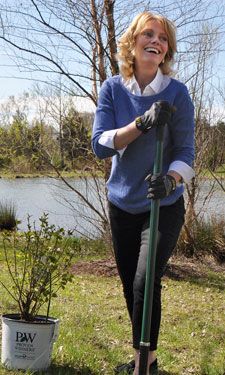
x,y
24,346
25,337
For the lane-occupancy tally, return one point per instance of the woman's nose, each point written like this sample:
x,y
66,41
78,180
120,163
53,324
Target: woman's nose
x,y
155,39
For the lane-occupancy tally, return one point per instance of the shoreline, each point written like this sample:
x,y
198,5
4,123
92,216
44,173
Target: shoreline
x,y
220,175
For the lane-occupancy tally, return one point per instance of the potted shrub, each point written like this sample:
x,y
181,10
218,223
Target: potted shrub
x,y
38,263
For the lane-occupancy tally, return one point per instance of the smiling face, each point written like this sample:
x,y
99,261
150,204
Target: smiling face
x,y
151,46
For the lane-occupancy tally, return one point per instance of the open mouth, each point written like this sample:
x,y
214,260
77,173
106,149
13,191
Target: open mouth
x,y
152,50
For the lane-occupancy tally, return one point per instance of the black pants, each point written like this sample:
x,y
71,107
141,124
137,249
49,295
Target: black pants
x,y
130,234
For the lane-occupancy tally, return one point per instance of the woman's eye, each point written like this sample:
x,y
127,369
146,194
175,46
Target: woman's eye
x,y
148,34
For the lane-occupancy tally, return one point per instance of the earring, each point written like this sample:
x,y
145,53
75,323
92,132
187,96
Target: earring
x,y
163,61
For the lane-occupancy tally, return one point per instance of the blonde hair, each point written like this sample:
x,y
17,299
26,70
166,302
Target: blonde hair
x,y
126,43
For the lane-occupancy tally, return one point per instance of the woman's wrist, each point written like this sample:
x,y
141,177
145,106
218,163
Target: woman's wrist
x,y
126,135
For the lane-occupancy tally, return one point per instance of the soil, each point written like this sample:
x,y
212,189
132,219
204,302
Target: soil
x,y
177,268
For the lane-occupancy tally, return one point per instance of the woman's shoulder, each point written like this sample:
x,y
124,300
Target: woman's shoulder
x,y
179,88
180,92
114,86
113,81
112,89
178,84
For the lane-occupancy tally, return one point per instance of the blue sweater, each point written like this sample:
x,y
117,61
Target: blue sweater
x,y
117,107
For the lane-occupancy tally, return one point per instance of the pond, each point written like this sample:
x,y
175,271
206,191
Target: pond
x,y
34,196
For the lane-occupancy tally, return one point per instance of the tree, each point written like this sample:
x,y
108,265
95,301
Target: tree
x,y
75,137
76,39
4,157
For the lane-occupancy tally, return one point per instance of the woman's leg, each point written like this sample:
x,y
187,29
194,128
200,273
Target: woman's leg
x,y
171,219
130,235
126,234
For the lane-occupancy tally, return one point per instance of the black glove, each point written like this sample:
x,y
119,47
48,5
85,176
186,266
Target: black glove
x,y
160,186
159,114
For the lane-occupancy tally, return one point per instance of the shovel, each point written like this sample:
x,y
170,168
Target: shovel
x,y
150,270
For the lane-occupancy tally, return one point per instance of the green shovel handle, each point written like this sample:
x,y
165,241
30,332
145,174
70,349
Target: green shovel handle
x,y
150,269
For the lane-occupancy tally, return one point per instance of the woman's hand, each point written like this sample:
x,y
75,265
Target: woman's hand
x,y
160,186
159,114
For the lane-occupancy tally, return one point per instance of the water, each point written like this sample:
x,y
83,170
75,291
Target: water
x,y
34,196
210,200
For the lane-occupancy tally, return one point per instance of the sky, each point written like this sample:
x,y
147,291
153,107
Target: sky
x,y
13,82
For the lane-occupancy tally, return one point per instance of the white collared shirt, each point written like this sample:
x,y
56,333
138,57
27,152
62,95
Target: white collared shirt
x,y
159,83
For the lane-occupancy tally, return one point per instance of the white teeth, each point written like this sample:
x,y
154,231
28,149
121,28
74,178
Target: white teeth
x,y
152,50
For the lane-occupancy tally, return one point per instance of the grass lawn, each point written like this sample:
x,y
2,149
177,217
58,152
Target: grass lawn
x,y
95,333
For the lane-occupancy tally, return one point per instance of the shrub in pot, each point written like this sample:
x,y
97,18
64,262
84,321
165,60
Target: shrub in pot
x,y
38,263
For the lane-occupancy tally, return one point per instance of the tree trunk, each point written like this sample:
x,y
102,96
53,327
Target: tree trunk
x,y
100,49
109,9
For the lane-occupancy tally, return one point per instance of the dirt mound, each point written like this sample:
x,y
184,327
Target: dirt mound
x,y
100,267
176,268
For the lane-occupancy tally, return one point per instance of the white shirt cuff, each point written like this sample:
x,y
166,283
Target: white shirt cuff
x,y
184,170
107,140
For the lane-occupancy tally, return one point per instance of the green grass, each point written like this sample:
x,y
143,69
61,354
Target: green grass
x,y
47,173
95,332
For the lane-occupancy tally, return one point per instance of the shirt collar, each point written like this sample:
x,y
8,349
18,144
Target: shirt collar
x,y
152,88
157,81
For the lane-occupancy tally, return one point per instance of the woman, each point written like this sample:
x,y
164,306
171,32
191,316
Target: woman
x,y
130,107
